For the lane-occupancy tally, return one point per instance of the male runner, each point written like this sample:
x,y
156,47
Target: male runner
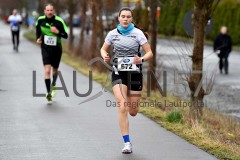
x,y
49,31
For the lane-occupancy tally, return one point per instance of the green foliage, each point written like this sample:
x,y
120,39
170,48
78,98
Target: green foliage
x,y
141,18
174,116
186,6
170,22
169,14
227,13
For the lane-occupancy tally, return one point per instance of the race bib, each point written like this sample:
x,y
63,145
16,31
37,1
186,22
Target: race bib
x,y
50,40
15,28
126,64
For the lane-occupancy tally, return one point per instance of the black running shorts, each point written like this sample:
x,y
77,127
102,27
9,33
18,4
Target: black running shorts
x,y
51,55
132,79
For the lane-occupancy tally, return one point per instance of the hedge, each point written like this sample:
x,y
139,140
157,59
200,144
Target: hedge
x,y
172,14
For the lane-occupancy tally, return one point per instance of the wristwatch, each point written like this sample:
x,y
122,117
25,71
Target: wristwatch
x,y
142,59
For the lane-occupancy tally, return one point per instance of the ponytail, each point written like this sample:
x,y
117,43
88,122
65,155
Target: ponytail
x,y
145,33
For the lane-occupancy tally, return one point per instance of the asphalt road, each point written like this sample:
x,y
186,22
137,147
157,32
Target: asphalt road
x,y
224,96
30,129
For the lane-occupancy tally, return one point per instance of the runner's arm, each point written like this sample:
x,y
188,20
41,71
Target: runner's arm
x,y
19,20
63,34
38,30
148,52
9,20
62,30
104,52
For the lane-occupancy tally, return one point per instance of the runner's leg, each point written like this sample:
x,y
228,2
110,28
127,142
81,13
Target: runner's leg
x,y
133,100
17,36
47,69
120,92
13,39
55,75
53,86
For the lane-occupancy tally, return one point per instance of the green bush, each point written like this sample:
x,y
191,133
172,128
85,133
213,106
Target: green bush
x,y
141,18
174,116
187,6
173,11
227,13
169,14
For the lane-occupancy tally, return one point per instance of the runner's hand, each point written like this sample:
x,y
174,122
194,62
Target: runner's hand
x,y
54,30
137,60
106,58
39,41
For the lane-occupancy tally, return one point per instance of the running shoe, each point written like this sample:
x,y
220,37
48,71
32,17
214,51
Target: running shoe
x,y
127,148
53,92
49,97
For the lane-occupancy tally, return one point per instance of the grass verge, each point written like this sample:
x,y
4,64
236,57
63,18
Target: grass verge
x,y
215,133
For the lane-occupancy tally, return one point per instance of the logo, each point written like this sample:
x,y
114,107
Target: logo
x,y
116,38
132,36
126,60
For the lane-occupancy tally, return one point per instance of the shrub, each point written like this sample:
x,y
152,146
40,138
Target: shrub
x,y
174,116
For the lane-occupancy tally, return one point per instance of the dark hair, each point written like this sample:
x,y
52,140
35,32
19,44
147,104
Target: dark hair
x,y
124,9
48,4
135,25
145,33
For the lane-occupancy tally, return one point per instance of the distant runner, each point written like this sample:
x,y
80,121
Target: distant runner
x,y
127,68
15,20
49,31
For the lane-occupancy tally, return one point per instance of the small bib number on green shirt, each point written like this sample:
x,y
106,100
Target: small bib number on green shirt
x,y
126,64
50,40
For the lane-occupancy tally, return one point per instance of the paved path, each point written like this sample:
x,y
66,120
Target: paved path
x,y
226,89
32,130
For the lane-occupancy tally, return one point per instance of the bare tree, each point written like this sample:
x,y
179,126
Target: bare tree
x,y
72,8
100,24
11,4
97,29
94,28
202,13
97,36
83,23
40,6
153,38
111,6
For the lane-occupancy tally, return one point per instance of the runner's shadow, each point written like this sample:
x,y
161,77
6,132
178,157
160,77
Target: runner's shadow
x,y
54,107
133,156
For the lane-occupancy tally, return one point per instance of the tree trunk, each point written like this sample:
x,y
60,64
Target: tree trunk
x,y
197,64
201,15
83,22
94,30
101,30
71,11
40,7
57,6
153,39
100,24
